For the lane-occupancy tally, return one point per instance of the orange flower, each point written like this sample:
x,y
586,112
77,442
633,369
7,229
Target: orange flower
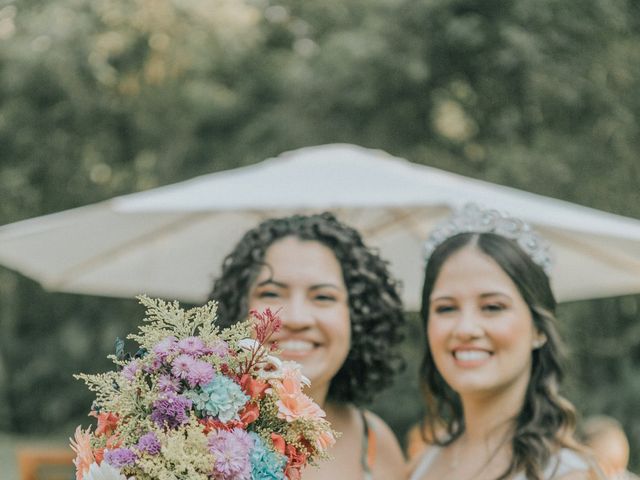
x,y
81,445
252,386
325,440
292,403
107,422
249,414
278,442
296,460
112,443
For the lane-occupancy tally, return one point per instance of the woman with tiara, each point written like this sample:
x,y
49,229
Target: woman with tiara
x,y
492,366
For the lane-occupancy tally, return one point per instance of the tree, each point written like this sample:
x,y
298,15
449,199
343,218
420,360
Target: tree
x,y
113,96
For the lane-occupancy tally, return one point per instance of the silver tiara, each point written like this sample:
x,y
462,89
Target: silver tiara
x,y
473,219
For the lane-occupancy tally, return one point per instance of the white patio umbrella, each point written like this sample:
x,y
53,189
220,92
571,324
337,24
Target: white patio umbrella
x,y
170,241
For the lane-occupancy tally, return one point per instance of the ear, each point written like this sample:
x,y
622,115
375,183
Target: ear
x,y
538,341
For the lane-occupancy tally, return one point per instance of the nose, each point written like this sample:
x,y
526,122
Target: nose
x,y
468,325
296,314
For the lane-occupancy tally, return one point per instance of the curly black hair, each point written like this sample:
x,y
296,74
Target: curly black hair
x,y
375,307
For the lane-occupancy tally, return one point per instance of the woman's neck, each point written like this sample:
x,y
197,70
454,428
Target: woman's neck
x,y
490,419
318,394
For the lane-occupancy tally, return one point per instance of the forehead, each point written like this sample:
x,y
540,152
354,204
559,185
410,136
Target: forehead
x,y
470,271
292,259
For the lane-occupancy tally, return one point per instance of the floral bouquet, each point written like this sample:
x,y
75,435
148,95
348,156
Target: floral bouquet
x,y
198,402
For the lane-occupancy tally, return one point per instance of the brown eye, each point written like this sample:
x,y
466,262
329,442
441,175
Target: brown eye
x,y
493,307
325,297
268,294
444,309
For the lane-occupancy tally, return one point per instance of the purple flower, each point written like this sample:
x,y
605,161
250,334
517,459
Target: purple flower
x,y
166,383
166,347
192,346
154,366
220,348
200,373
231,450
149,443
182,365
129,371
120,457
170,410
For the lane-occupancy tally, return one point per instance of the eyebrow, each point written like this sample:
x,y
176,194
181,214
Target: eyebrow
x,y
325,285
271,281
483,295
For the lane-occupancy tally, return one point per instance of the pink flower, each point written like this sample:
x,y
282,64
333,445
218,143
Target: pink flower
x,y
154,366
166,383
231,449
129,371
200,373
325,440
292,403
182,365
166,347
220,348
81,444
192,346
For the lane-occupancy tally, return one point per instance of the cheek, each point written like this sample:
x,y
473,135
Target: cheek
x,y
512,334
436,336
340,326
346,326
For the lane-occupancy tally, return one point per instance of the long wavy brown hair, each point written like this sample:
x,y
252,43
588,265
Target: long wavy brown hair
x,y
546,421
375,308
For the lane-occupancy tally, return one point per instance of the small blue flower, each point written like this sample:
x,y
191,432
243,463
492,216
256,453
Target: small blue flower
x,y
198,397
265,463
224,400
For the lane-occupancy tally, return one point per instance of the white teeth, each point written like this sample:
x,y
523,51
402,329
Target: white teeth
x,y
471,355
295,345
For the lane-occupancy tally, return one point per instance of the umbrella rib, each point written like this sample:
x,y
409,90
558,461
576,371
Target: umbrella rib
x,y
123,248
396,216
625,263
405,216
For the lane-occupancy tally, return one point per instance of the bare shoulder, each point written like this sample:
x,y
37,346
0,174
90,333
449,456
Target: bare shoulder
x,y
389,460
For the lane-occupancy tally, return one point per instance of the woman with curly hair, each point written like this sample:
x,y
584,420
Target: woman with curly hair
x,y
341,316
493,359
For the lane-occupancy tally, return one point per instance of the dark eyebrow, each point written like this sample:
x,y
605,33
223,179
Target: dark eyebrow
x,y
440,298
493,294
483,295
271,281
325,285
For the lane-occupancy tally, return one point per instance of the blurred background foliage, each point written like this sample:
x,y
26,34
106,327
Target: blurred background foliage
x,y
106,97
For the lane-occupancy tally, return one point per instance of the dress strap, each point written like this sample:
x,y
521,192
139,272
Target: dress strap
x,y
428,456
368,455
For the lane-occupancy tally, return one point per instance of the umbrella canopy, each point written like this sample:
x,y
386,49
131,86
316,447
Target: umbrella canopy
x,y
170,241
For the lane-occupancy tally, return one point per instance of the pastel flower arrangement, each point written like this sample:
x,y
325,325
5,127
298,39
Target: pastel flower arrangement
x,y
197,402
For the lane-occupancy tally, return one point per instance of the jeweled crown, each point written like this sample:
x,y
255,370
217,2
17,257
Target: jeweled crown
x,y
474,219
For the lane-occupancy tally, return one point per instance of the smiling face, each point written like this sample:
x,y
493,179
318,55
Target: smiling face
x,y
303,280
480,331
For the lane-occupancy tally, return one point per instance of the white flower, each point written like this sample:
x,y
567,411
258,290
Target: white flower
x,y
249,344
294,369
269,368
104,471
